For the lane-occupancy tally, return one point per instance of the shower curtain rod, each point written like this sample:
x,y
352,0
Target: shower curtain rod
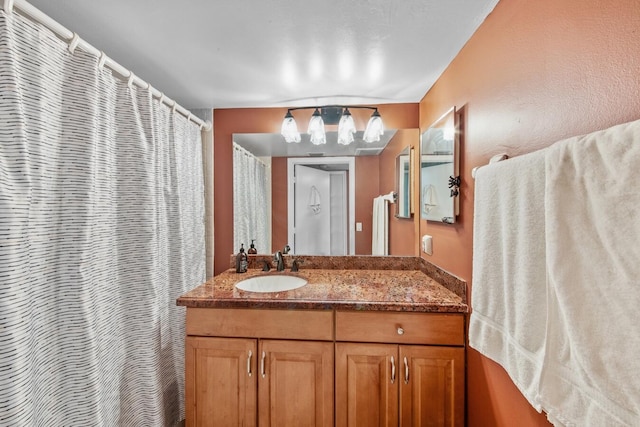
x,y
247,153
74,41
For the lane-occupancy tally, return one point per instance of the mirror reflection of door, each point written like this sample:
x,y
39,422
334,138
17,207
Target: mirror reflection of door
x,y
320,211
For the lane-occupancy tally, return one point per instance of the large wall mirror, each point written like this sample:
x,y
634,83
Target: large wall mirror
x,y
439,179
261,211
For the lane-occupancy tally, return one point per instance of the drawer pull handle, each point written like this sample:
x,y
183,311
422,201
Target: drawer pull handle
x,y
249,363
400,331
406,371
393,370
264,355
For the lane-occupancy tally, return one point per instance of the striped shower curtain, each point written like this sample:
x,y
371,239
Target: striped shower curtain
x,y
101,229
251,201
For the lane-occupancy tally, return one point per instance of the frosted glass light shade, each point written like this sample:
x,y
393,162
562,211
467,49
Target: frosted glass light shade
x,y
374,128
289,129
346,128
316,129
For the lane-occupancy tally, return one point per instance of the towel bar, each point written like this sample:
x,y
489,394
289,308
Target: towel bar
x,y
497,158
391,197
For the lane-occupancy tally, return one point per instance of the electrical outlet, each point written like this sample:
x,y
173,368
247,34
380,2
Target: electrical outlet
x,y
427,244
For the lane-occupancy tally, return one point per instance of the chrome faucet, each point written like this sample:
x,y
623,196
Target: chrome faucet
x,y
279,261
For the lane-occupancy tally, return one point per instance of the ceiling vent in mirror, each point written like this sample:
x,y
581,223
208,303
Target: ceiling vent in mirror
x,y
369,151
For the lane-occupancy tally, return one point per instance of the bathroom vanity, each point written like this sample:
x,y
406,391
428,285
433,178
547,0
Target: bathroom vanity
x,y
355,346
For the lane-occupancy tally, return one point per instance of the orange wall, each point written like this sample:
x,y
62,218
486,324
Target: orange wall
x,y
279,204
268,120
535,72
368,187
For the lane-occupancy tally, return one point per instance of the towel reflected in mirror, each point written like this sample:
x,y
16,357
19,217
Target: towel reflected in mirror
x,y
429,198
314,200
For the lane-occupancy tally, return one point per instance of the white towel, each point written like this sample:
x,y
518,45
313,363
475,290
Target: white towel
x,y
380,243
314,200
591,374
508,296
429,198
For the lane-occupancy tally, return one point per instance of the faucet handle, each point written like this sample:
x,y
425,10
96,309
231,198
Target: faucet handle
x,y
266,266
296,264
286,249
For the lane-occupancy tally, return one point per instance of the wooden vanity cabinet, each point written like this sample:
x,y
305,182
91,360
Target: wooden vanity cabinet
x,y
408,383
220,381
260,380
250,367
297,387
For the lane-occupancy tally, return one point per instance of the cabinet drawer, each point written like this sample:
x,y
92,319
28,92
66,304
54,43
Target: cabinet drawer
x,y
402,328
257,323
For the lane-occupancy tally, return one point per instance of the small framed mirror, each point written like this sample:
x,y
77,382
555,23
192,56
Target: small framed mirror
x,y
404,183
439,177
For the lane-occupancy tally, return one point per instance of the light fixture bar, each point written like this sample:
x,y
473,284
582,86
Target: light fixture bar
x,y
329,114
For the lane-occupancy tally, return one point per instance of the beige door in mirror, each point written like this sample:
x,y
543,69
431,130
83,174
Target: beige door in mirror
x,y
404,181
439,180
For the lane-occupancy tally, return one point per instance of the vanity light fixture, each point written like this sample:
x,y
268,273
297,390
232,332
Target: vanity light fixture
x,y
316,129
374,128
290,129
332,114
346,128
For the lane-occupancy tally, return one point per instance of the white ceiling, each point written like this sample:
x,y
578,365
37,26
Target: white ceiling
x,y
264,53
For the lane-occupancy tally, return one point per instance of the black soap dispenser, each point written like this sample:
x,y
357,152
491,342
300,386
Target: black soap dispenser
x,y
252,249
241,260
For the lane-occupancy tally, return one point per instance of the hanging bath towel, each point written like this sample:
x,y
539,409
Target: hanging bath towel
x,y
380,243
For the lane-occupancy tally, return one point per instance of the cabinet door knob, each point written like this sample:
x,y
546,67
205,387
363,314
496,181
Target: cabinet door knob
x,y
400,331
262,372
393,370
249,363
406,371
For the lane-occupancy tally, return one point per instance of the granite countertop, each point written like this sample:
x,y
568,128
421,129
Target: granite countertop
x,y
350,288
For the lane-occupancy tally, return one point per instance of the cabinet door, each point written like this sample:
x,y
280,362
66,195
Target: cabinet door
x,y
366,384
431,386
295,387
220,386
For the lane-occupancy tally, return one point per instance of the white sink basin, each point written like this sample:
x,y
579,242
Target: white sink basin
x,y
271,283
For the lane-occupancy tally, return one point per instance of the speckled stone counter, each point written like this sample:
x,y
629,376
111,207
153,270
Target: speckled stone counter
x,y
345,283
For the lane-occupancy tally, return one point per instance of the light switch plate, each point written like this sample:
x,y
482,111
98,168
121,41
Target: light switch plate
x,y
358,226
427,244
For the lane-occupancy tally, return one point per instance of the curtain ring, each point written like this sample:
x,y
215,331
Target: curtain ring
x,y
173,107
74,42
202,126
161,98
189,117
102,60
8,6
130,81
